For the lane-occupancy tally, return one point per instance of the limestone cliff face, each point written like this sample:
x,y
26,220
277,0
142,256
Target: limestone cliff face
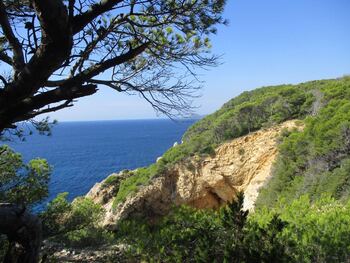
x,y
243,164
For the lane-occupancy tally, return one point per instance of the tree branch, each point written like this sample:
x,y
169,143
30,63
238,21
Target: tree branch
x,y
80,21
107,64
111,84
49,109
54,49
24,109
5,58
3,80
18,59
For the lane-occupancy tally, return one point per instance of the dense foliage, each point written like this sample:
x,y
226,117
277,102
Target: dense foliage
x,y
189,235
23,184
317,159
297,232
74,224
317,231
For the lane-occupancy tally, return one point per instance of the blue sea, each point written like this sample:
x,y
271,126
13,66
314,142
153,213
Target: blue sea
x,y
83,153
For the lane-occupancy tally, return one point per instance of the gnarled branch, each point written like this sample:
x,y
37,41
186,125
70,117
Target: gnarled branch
x,y
18,59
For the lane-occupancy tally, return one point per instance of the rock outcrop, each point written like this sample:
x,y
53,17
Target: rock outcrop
x,y
243,164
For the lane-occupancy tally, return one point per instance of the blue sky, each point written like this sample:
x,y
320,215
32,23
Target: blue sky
x,y
267,42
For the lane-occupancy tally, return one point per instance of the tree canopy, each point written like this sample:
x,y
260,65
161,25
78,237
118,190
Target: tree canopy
x,y
54,52
22,184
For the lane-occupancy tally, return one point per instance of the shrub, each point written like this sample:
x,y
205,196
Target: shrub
x,y
88,237
300,231
75,224
318,231
189,235
131,184
20,183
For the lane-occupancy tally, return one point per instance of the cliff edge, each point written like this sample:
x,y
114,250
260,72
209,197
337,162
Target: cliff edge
x,y
243,164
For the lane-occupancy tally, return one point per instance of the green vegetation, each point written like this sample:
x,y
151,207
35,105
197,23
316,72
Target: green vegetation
x,y
296,232
250,111
316,160
75,224
188,235
311,162
319,229
305,156
140,177
110,181
302,214
22,184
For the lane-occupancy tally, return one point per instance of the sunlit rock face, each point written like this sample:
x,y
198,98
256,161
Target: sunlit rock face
x,y
243,164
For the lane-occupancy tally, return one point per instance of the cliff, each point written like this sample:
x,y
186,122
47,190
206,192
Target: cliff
x,y
242,164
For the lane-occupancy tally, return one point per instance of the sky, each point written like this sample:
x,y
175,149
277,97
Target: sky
x,y
267,42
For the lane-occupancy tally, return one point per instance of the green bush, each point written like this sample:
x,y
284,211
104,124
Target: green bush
x,y
88,237
130,185
189,235
300,231
75,224
23,184
319,231
111,180
56,215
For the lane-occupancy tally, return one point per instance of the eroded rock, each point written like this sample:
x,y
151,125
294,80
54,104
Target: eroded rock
x,y
243,164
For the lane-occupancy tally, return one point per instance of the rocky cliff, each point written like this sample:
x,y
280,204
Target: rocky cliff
x,y
243,164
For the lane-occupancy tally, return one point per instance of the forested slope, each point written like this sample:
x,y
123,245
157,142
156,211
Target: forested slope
x,y
316,161
308,160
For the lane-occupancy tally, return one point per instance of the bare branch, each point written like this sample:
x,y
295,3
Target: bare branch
x,y
107,64
66,104
111,84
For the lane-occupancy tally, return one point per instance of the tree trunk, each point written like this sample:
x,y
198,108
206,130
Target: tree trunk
x,y
23,231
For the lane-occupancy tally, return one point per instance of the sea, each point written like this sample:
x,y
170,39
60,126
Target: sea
x,y
83,153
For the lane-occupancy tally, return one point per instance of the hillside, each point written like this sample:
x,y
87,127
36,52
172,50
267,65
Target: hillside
x,y
321,105
240,165
286,148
